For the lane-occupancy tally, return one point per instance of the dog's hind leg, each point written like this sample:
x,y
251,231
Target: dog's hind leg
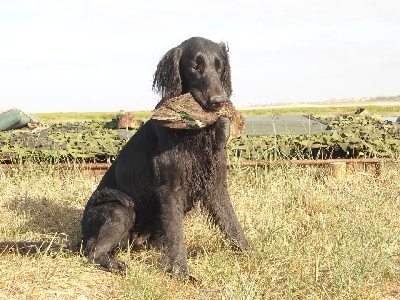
x,y
105,226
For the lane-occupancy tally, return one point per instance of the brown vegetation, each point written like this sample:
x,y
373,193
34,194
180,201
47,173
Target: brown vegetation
x,y
315,238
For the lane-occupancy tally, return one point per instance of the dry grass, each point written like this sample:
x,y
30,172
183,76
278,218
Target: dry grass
x,y
315,238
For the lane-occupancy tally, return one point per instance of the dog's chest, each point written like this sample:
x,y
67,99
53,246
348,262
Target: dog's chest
x,y
196,163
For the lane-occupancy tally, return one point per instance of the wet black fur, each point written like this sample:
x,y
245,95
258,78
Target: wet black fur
x,y
161,173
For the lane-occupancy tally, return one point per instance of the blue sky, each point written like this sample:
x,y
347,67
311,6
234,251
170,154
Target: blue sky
x,y
63,56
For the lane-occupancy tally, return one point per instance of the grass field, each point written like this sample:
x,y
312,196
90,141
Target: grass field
x,y
391,109
314,238
322,111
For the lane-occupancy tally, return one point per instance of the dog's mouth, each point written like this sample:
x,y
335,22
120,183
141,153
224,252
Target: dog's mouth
x,y
213,103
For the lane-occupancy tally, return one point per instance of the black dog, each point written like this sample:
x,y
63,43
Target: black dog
x,y
161,173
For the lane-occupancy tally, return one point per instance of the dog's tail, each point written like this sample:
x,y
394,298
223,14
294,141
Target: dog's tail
x,y
25,247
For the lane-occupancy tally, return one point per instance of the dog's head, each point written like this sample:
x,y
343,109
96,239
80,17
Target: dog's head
x,y
198,66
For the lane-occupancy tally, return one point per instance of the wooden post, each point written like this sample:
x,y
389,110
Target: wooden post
x,y
338,170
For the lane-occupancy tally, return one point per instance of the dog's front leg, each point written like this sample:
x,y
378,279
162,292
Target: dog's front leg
x,y
172,237
220,208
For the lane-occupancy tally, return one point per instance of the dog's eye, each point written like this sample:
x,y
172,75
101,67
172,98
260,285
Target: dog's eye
x,y
198,64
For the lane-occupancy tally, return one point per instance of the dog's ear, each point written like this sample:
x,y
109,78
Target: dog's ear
x,y
226,73
167,78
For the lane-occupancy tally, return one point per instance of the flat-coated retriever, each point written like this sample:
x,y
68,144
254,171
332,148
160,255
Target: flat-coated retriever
x,y
161,172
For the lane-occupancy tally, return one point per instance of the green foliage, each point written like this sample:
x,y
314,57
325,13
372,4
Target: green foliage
x,y
368,135
78,142
355,136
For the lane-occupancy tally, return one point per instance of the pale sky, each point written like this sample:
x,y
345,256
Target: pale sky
x,y
82,55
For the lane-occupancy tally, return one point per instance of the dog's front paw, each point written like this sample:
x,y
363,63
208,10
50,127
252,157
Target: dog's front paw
x,y
109,264
176,269
116,266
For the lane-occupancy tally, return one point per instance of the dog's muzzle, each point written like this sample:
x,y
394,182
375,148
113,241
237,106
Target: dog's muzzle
x,y
217,101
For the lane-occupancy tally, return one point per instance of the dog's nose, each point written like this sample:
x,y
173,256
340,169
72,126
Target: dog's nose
x,y
219,99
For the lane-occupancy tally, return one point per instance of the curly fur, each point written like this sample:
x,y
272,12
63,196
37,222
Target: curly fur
x,y
161,172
